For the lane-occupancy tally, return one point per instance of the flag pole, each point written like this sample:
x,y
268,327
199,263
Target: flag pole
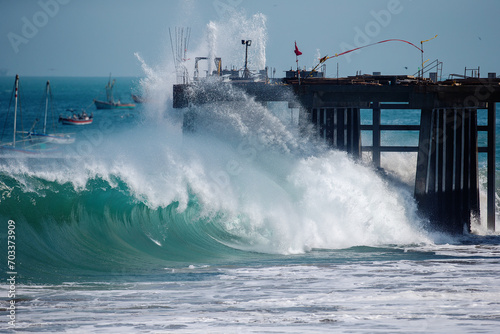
x,y
422,51
298,71
422,59
297,54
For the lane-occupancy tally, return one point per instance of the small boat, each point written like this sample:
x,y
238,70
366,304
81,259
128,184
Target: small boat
x,y
56,138
26,145
77,119
110,103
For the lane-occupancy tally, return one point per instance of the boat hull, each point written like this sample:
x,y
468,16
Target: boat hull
x,y
38,149
113,105
55,138
69,121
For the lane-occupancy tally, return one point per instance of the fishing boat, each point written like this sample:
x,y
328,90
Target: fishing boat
x,y
56,138
110,103
77,119
26,145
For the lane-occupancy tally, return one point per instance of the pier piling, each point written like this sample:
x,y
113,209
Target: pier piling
x,y
446,184
491,165
339,127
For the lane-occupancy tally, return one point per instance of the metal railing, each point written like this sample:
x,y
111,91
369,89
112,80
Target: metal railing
x,y
436,64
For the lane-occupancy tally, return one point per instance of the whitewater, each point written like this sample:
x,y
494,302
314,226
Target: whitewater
x,y
244,225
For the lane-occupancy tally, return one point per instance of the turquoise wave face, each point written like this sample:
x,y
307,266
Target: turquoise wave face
x,y
124,218
64,232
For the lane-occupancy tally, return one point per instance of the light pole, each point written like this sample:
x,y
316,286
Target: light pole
x,y
246,72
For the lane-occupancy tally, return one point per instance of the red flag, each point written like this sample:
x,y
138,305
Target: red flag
x,y
297,52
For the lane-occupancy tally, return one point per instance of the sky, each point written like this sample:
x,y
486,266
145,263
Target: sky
x,y
98,37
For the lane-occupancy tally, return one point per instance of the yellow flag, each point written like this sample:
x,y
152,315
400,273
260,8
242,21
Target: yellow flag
x,y
428,39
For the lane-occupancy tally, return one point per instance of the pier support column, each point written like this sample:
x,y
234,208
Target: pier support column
x,y
376,134
491,165
424,150
339,127
446,183
474,169
355,132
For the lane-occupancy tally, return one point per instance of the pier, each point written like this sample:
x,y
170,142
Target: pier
x,y
446,181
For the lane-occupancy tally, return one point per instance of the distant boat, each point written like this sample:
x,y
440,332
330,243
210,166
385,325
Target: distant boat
x,y
77,119
113,105
110,103
26,145
56,138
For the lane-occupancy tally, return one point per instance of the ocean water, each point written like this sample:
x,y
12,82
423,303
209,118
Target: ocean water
x,y
243,226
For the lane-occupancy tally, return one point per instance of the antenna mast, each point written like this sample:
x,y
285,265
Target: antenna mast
x,y
179,40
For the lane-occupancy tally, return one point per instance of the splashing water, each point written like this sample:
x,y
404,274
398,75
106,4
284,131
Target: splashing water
x,y
156,86
276,189
245,180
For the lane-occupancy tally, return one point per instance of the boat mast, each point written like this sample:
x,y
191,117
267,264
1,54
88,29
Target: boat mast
x,y
46,107
109,89
15,111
